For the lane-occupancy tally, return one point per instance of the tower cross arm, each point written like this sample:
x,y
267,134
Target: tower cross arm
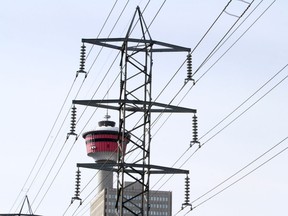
x,y
155,107
132,168
116,43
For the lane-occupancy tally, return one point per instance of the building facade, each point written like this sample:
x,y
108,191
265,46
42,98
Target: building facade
x,y
104,203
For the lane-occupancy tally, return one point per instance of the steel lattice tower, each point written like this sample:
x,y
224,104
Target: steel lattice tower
x,y
135,107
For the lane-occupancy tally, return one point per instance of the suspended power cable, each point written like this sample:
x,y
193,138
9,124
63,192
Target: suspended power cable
x,y
181,67
64,120
104,24
105,74
213,49
46,159
244,176
222,39
57,173
237,38
89,121
59,169
238,116
42,149
54,124
239,171
119,16
210,68
213,65
81,86
157,13
155,121
222,129
268,81
236,119
49,172
117,54
92,191
211,26
112,64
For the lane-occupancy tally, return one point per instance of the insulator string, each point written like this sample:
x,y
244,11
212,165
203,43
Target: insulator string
x,y
187,193
77,187
195,131
73,122
82,61
189,69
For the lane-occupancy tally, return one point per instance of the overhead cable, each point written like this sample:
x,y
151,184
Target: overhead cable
x,y
42,149
205,142
104,24
244,176
222,39
214,65
64,119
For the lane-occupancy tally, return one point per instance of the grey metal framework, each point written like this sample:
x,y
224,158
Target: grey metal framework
x,y
135,105
20,212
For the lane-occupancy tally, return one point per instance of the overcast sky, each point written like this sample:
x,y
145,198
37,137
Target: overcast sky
x,y
40,48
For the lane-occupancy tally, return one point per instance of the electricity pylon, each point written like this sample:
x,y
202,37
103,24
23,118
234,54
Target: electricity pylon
x,y
135,107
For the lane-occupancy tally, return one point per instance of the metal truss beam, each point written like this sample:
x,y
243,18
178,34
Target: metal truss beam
x,y
132,168
17,214
160,46
166,108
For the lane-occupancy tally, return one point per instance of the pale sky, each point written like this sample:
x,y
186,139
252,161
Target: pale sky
x,y
40,48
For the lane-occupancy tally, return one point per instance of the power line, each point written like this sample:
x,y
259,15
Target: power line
x,y
56,173
112,64
107,18
211,26
250,105
239,116
240,170
219,43
77,94
238,37
253,170
57,133
224,127
193,74
119,16
215,63
43,147
215,49
246,31
167,85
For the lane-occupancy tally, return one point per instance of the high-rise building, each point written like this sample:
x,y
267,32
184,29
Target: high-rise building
x,y
105,201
